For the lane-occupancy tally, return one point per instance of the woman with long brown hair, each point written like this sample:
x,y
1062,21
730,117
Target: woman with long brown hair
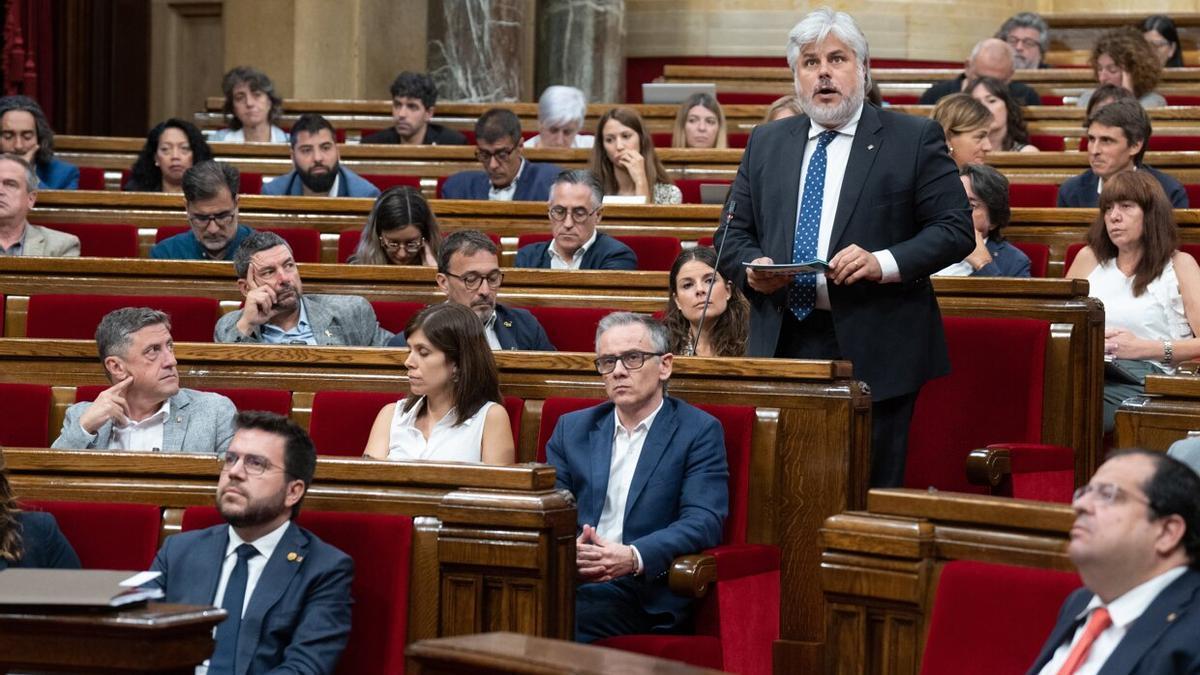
x,y
726,311
624,159
30,538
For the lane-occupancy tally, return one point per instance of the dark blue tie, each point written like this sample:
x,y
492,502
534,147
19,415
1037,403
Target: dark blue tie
x,y
235,597
802,292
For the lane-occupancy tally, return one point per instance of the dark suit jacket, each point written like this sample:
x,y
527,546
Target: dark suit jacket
x,y
606,254
1162,640
44,545
679,496
1022,93
515,329
1007,261
1080,191
900,192
298,619
435,134
533,185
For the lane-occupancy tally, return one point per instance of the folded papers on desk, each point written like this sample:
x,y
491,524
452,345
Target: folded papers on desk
x,y
75,588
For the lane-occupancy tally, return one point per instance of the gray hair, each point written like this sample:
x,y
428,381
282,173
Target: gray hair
x,y
260,240
116,328
560,104
204,180
1027,20
982,44
31,177
654,328
817,26
580,177
469,242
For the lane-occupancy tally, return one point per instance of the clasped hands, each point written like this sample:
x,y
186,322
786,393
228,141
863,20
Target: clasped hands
x,y
851,265
1122,344
599,560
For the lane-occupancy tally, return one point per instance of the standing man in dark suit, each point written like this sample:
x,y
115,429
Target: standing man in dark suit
x,y
1136,544
576,206
650,481
880,199
506,175
286,591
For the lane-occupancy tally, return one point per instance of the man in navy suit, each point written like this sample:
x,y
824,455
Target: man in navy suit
x,y
506,176
318,168
286,591
1136,544
650,481
576,206
469,274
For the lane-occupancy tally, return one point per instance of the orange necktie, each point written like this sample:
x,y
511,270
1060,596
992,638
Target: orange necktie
x,y
1099,621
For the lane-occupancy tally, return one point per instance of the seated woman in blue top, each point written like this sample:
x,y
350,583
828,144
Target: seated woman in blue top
x,y
987,191
171,149
30,538
454,411
24,131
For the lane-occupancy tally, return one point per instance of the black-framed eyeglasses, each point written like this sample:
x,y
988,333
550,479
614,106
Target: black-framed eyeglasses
x,y
1107,493
473,281
632,360
1023,42
254,465
485,156
223,219
578,214
412,245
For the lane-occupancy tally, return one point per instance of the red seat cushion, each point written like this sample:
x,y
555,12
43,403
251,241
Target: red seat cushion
x,y
107,536
654,253
1033,195
570,329
102,240
1072,251
1048,143
250,183
394,316
1039,257
1193,193
738,424
26,415
341,420
1174,143
91,178
75,317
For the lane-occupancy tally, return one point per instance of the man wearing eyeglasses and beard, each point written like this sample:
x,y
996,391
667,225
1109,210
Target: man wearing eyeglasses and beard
x,y
506,176
576,202
469,274
650,481
210,191
286,592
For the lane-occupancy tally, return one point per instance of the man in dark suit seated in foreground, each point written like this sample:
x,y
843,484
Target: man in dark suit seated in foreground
x,y
576,205
650,481
286,591
1136,544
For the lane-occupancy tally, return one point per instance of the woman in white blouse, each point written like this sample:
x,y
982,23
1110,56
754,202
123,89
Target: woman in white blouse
x,y
454,410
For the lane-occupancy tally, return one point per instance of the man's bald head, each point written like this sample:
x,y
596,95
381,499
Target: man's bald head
x,y
991,58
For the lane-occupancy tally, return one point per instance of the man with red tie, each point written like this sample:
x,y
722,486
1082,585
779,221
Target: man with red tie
x,y
1136,544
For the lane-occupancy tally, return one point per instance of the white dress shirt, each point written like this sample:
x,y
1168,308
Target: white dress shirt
x,y
626,451
837,155
506,194
1123,611
557,262
141,435
489,332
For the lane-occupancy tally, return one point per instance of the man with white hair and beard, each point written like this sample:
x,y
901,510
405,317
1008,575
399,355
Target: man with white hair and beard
x,y
318,168
875,194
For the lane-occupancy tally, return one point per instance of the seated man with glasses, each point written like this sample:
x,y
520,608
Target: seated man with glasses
x,y
650,481
287,593
1136,545
506,176
469,274
210,191
576,200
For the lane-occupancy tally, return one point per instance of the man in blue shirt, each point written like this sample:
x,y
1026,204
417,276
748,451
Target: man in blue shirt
x,y
210,191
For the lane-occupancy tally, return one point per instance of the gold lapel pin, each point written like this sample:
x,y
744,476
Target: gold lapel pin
x,y
292,557
178,420
508,324
1171,617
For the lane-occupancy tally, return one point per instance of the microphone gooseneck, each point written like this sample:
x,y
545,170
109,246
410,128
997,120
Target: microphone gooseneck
x,y
729,211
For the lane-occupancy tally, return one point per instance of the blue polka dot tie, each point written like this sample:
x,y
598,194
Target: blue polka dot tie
x,y
802,292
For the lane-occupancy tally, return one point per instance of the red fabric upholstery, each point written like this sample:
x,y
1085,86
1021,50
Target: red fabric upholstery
x,y
1010,610
690,187
1039,257
1193,193
654,253
1181,99
102,240
738,423
570,329
1048,143
1034,195
26,415
76,316
384,181
441,182
341,420
1072,251
537,237
278,401
554,408
738,139
347,243
993,394
705,241
91,178
1174,143
1191,249
250,183
1042,472
107,536
394,316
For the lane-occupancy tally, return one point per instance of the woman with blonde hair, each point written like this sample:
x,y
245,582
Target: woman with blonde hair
x,y
700,123
966,123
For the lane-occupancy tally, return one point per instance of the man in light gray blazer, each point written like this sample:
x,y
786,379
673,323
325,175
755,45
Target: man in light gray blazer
x,y
276,311
145,409
18,187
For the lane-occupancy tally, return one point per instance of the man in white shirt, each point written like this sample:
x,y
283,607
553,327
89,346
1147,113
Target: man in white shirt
x,y
650,480
575,208
1135,542
145,409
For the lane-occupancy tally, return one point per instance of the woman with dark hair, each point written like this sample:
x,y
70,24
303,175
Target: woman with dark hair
x,y
171,149
727,320
30,538
1159,31
625,162
1124,58
25,131
1150,290
401,230
454,411
1102,96
1008,132
966,123
987,191
700,123
252,108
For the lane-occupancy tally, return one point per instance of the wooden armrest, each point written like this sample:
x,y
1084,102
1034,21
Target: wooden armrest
x,y
990,467
691,575
1188,368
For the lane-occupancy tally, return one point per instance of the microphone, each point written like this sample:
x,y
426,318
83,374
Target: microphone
x,y
732,208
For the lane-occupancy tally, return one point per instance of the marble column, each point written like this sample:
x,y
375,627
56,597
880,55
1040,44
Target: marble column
x,y
581,44
482,50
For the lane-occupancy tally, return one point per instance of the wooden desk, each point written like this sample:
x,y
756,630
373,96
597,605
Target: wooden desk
x,y
1169,411
156,638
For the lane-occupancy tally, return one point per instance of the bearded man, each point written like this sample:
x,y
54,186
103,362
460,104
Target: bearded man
x,y
319,171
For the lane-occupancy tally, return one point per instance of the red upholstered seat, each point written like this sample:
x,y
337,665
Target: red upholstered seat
x,y
534,238
278,401
305,243
395,315
1009,611
1034,195
347,243
690,187
1039,257
441,182
1041,472
993,394
26,415
102,240
1193,193
76,316
381,547
1072,251
654,253
1048,142
384,181
738,139
107,536
570,329
91,178
250,183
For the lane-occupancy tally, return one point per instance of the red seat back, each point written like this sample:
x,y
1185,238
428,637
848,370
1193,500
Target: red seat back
x,y
91,178
1048,142
26,415
738,424
341,420
75,317
690,188
347,243
1193,193
102,240
537,237
570,329
654,253
1039,257
993,394
1010,609
554,408
1033,195
383,181
107,536
250,183
394,316
1072,251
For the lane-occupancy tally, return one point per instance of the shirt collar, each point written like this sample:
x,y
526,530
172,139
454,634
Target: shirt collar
x,y
156,418
265,544
1127,608
587,245
848,128
643,425
20,243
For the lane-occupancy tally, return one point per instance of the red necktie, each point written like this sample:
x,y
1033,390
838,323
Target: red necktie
x,y
1097,624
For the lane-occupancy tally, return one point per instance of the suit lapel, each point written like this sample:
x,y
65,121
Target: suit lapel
x,y
323,323
504,329
652,452
1063,630
276,578
789,167
175,426
1171,604
601,442
863,151
35,241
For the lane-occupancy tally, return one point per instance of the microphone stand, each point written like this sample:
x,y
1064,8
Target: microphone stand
x,y
708,295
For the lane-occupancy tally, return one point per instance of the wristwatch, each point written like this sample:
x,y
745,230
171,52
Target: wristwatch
x,y
1168,353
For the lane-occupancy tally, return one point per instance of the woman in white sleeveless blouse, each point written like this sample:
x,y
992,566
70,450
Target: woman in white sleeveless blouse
x,y
1150,290
454,411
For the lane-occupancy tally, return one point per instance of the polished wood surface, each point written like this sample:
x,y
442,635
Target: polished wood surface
x,y
1168,412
